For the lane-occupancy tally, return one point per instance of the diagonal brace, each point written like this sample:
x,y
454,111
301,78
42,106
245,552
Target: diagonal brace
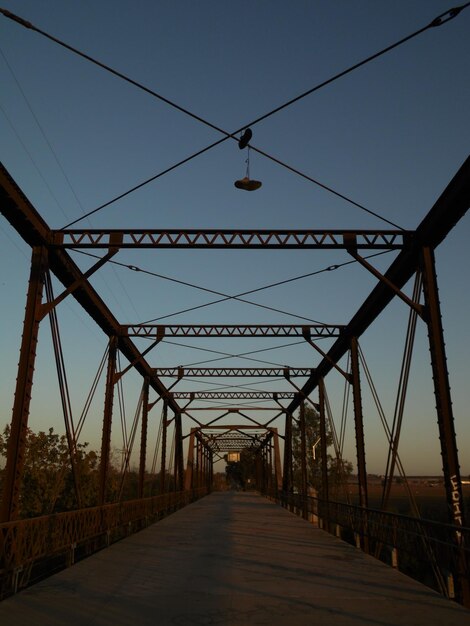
x,y
351,247
48,306
308,338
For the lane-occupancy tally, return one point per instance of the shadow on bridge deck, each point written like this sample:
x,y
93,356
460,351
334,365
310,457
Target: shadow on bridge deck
x,y
231,558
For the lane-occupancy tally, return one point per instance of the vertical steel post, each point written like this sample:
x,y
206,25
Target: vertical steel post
x,y
188,479
359,425
107,419
179,460
164,444
277,463
445,417
208,470
287,469
19,423
303,461
143,435
264,466
360,446
198,462
211,470
203,464
270,465
325,496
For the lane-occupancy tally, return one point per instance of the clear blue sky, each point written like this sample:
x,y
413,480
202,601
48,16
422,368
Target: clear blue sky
x,y
390,136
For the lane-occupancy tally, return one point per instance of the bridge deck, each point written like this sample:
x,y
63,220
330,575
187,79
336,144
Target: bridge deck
x,y
231,558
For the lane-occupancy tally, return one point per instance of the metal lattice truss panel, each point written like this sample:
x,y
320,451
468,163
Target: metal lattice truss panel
x,y
284,330
247,372
232,395
307,239
234,440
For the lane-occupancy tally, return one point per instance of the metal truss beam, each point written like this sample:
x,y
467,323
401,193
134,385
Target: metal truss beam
x,y
232,409
233,372
449,208
228,427
281,330
33,229
235,440
233,395
306,239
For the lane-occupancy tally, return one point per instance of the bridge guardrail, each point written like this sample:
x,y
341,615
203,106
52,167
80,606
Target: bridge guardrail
x,y
32,548
432,552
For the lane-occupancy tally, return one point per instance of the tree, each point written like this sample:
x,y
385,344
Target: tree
x,y
338,469
47,481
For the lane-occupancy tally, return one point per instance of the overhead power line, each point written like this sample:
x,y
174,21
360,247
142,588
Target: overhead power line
x,y
438,21
238,297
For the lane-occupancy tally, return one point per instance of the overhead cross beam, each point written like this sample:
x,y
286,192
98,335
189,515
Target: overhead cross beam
x,y
230,330
233,372
170,238
232,395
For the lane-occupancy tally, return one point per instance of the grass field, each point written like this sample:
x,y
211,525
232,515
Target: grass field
x,y
431,500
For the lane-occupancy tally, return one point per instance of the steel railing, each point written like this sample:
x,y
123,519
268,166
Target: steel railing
x,y
33,548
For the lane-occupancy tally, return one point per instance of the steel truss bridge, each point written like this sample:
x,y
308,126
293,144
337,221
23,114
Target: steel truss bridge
x,y
190,420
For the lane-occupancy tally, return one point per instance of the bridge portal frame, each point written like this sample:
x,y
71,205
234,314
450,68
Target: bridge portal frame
x,y
416,253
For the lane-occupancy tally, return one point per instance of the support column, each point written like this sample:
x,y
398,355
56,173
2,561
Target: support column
x,y
303,461
287,469
143,436
163,455
208,470
198,463
211,470
359,425
277,463
360,447
107,420
445,417
270,466
24,382
179,460
325,495
264,469
188,479
204,465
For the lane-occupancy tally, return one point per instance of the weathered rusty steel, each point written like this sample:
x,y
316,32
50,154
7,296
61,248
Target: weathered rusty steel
x,y
163,447
425,541
33,229
450,207
179,458
107,420
303,458
189,474
287,468
323,449
25,541
143,436
250,372
231,330
445,417
24,382
359,424
232,395
193,238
